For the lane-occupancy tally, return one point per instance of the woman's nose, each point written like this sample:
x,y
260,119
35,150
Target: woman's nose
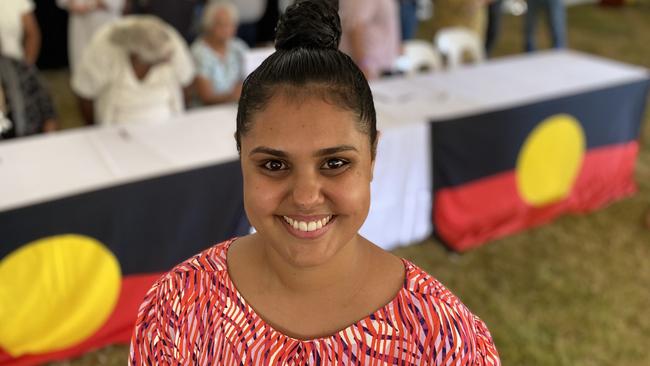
x,y
307,190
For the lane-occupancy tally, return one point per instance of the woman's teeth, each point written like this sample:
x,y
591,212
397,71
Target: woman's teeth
x,y
307,226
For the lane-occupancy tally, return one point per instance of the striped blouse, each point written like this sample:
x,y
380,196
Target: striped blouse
x,y
194,315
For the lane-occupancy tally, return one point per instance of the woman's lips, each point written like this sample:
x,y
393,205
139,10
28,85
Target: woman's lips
x,y
308,226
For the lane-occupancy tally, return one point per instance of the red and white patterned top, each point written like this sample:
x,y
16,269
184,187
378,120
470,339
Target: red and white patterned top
x,y
194,315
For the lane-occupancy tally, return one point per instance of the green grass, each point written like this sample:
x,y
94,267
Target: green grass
x,y
573,292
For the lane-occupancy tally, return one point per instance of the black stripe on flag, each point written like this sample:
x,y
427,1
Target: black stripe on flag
x,y
476,146
149,225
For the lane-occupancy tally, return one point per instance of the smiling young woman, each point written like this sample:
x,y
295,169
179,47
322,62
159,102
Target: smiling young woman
x,y
306,288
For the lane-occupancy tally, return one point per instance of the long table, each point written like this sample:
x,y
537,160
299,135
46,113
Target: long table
x,y
154,194
488,123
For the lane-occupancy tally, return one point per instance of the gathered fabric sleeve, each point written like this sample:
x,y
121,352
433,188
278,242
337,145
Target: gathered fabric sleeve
x,y
153,338
486,351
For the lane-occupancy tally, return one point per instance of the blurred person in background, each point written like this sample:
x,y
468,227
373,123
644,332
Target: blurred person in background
x,y
134,69
408,18
86,17
180,14
556,18
408,15
219,56
19,32
493,24
25,105
371,34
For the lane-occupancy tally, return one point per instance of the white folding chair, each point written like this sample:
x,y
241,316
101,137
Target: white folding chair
x,y
418,55
454,42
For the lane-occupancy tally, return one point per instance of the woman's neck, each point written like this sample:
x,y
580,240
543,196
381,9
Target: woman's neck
x,y
347,268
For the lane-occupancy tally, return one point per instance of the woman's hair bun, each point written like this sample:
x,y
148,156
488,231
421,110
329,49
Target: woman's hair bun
x,y
309,24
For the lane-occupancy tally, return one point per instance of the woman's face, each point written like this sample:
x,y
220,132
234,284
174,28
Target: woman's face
x,y
307,172
223,25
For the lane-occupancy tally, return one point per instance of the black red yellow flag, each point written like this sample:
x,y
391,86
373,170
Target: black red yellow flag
x,y
73,271
500,172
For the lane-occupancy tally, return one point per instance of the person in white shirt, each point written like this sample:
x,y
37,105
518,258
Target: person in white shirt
x,y
86,17
134,70
19,32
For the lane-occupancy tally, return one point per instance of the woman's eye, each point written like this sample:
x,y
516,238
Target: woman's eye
x,y
334,164
274,165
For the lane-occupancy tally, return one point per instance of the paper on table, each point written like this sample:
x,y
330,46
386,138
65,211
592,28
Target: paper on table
x,y
401,101
124,155
199,137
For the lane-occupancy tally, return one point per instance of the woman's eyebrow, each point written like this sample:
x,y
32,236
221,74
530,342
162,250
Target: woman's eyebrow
x,y
335,150
321,152
269,151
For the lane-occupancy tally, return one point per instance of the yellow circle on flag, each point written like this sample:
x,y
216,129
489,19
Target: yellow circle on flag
x,y
550,160
55,292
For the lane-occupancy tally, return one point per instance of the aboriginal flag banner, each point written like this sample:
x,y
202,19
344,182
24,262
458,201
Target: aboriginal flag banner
x,y
500,172
74,271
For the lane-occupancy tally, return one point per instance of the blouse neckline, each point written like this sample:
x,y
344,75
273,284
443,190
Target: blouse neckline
x,y
345,332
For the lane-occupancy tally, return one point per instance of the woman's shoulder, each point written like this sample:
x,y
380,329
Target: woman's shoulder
x,y
169,304
419,283
199,274
425,289
433,302
210,260
207,265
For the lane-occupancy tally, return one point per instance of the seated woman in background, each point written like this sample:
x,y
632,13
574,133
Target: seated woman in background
x,y
219,57
133,70
25,105
306,288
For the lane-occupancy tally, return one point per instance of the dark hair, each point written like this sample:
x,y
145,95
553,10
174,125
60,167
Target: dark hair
x,y
307,58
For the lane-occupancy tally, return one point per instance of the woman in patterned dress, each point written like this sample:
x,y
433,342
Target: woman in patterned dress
x,y
306,288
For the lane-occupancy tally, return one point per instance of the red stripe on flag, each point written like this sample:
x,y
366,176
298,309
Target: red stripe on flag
x,y
467,216
116,330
